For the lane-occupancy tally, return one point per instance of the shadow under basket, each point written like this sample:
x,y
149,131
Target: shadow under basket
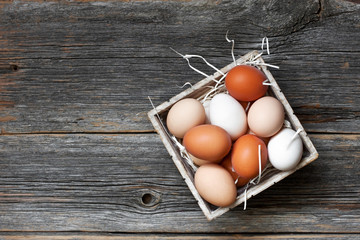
x,y
269,177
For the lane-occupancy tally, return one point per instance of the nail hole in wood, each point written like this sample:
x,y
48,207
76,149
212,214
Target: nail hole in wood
x,y
14,67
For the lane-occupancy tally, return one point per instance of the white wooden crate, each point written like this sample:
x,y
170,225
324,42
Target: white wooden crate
x,y
270,176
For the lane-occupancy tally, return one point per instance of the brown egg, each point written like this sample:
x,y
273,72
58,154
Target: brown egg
x,y
215,185
183,115
245,156
245,83
266,116
240,181
207,142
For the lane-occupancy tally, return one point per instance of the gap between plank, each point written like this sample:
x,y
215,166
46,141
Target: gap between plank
x,y
109,233
2,133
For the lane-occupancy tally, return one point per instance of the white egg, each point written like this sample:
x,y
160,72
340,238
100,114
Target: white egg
x,y
227,113
284,151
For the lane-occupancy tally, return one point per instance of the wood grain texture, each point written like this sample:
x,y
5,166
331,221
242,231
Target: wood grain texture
x,y
112,236
78,156
97,182
89,66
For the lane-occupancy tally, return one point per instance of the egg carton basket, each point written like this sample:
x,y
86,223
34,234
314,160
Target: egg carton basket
x,y
269,177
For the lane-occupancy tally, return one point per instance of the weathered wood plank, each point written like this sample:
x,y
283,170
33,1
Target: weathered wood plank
x,y
89,66
127,183
112,236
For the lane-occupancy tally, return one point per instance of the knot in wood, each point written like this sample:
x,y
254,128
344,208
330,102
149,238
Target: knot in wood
x,y
150,199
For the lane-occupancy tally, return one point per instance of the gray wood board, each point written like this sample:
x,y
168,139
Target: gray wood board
x,y
97,182
89,66
114,236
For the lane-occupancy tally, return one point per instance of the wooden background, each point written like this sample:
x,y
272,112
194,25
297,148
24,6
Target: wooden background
x,y
80,160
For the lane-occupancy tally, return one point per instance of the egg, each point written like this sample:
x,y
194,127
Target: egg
x,y
266,116
200,162
227,113
240,181
183,115
215,185
245,156
245,83
284,151
207,142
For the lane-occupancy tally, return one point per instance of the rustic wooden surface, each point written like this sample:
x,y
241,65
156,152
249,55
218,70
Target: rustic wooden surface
x,y
80,160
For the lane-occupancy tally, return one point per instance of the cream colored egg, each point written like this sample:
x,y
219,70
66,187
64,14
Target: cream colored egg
x,y
266,116
215,184
184,115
